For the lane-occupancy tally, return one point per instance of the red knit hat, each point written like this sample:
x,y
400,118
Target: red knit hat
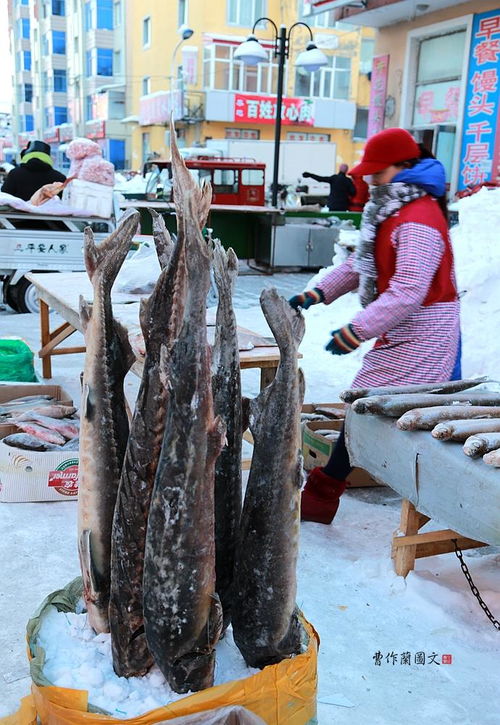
x,y
390,146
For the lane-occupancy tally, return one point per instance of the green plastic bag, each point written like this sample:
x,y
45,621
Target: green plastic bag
x,y
16,361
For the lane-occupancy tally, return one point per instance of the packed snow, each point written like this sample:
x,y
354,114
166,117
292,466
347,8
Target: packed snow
x,y
392,649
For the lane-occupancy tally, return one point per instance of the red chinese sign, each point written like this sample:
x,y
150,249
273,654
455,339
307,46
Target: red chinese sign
x,y
262,109
480,157
95,129
378,92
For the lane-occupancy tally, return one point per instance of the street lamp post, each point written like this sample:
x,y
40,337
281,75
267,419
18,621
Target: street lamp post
x,y
185,33
251,52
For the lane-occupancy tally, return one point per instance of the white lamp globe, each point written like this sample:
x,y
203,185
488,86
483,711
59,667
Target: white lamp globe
x,y
185,32
250,52
311,58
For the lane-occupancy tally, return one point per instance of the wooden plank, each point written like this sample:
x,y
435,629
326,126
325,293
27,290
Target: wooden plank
x,y
45,337
404,556
445,547
428,537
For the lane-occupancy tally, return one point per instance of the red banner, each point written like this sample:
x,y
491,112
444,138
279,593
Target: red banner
x,y
262,109
378,92
95,129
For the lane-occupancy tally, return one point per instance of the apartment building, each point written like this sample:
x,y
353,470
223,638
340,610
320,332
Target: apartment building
x,y
215,97
69,74
436,74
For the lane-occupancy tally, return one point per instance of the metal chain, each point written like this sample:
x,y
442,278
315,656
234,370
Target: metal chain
x,y
474,588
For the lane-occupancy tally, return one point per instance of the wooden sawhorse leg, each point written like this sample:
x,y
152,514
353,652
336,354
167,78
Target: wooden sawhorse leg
x,y
50,340
408,544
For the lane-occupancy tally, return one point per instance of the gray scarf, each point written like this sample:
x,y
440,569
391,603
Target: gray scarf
x,y
384,201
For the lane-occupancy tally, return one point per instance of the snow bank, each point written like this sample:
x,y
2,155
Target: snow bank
x,y
476,245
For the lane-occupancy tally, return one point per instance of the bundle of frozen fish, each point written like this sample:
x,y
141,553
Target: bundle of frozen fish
x,y
170,553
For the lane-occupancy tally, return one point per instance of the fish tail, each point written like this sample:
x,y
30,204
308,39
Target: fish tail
x,y
162,239
286,325
107,257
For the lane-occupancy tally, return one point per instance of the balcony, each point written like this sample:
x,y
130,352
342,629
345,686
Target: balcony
x,y
380,13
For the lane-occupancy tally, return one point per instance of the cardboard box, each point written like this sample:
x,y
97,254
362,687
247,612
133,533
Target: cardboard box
x,y
31,475
316,449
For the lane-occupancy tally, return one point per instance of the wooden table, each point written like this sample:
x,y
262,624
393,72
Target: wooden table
x,y
436,480
61,292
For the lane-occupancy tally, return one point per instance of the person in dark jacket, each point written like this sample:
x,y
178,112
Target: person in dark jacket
x,y
34,171
341,188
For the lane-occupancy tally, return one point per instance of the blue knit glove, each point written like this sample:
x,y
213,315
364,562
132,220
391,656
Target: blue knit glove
x,y
344,340
306,299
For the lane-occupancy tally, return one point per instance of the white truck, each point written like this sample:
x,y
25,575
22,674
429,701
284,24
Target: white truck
x,y
40,243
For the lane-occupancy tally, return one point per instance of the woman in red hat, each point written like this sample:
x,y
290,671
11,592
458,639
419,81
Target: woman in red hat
x,y
403,270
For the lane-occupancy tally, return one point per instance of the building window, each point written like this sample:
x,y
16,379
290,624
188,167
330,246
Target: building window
x,y
58,42
28,92
60,115
58,7
88,64
182,16
29,124
222,72
105,14
60,81
331,81
45,45
117,14
117,62
24,28
45,82
104,61
47,117
27,59
366,55
146,146
146,32
87,16
146,85
89,108
361,125
245,12
247,133
323,20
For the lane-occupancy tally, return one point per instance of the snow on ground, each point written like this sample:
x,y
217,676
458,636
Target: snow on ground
x,y
375,627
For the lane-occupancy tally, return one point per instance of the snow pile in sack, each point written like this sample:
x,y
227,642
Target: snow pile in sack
x,y
77,658
87,163
476,246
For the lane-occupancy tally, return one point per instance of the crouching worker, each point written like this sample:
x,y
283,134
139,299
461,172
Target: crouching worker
x,y
404,272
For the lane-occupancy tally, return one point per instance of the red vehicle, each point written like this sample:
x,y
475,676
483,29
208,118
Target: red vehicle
x,y
239,182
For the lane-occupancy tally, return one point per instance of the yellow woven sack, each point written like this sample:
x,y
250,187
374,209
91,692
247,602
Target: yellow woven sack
x,y
282,694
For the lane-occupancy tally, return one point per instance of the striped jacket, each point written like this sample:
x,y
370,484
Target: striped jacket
x,y
416,342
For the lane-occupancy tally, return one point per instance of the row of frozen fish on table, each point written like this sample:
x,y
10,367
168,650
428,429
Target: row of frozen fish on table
x,y
457,411
43,423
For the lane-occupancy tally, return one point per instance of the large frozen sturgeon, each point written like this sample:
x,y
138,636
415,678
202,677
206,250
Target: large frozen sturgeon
x,y
104,423
265,620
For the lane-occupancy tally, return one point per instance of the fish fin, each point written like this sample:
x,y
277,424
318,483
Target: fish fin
x,y
215,621
256,406
232,267
216,438
86,406
302,385
162,239
205,203
144,317
126,348
86,565
90,254
85,313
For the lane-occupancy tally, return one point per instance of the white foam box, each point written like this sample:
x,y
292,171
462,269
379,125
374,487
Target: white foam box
x,y
31,475
96,199
317,448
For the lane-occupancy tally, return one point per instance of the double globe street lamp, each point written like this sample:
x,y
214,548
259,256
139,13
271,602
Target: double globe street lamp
x,y
311,59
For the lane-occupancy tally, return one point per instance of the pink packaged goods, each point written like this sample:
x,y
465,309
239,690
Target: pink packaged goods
x,y
97,170
82,148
